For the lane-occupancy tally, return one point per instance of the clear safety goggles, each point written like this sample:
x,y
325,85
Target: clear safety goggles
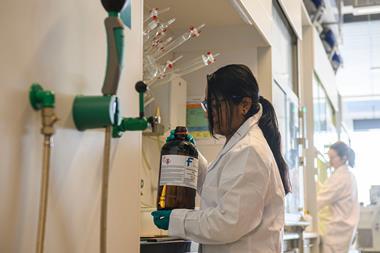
x,y
205,106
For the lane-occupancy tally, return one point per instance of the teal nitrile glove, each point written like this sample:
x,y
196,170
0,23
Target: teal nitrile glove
x,y
189,137
161,218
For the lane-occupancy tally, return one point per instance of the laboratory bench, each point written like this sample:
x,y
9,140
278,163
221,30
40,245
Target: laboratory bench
x,y
167,244
164,244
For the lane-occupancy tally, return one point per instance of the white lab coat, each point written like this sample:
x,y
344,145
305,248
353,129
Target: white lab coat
x,y
242,199
341,195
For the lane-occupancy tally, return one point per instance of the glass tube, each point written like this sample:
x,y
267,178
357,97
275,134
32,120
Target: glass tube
x,y
191,66
160,71
158,45
197,63
155,29
150,27
150,70
154,13
193,32
148,98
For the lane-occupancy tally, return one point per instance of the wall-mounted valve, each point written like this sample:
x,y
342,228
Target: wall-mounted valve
x,y
40,98
91,112
43,100
155,123
133,124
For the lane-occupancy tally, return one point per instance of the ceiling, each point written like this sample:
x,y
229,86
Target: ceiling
x,y
200,11
222,19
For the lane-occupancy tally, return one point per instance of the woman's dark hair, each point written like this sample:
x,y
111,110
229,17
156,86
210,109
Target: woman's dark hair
x,y
344,152
232,83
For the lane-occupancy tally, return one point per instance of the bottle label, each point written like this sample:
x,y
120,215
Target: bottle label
x,y
179,170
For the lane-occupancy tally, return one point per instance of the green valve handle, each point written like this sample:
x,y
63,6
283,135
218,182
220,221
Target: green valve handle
x,y
90,112
115,45
133,124
141,88
129,124
40,98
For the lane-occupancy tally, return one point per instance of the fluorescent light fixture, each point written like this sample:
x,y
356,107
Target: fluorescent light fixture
x,y
364,10
348,9
238,6
367,10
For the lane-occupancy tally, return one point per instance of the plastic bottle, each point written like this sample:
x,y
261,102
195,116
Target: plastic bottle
x,y
178,173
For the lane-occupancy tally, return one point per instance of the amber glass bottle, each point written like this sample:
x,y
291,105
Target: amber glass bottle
x,y
178,173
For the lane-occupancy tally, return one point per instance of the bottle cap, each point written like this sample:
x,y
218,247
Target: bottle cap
x,y
180,130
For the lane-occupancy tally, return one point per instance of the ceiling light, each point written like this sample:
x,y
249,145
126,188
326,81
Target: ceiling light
x,y
367,10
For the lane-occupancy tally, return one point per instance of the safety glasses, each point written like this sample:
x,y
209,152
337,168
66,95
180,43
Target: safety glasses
x,y
205,106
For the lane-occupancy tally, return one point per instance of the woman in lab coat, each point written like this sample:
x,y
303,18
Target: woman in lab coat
x,y
341,196
242,191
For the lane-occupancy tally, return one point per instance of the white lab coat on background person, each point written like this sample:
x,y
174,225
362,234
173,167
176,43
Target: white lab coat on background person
x,y
340,194
242,198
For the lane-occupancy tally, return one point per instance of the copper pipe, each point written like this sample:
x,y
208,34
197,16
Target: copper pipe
x,y
104,197
43,195
48,120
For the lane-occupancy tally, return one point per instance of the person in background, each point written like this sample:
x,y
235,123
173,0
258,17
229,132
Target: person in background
x,y
242,191
340,194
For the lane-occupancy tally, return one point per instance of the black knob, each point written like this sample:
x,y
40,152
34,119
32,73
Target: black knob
x,y
141,86
113,5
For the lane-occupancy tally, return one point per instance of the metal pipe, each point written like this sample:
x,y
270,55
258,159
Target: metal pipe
x,y
104,197
43,195
48,120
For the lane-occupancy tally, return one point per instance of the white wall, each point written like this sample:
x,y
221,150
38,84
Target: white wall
x,y
61,44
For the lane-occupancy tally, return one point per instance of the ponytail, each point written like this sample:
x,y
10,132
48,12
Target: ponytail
x,y
344,151
351,157
269,126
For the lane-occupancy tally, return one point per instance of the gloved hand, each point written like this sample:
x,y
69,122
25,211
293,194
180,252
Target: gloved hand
x,y
161,218
189,137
